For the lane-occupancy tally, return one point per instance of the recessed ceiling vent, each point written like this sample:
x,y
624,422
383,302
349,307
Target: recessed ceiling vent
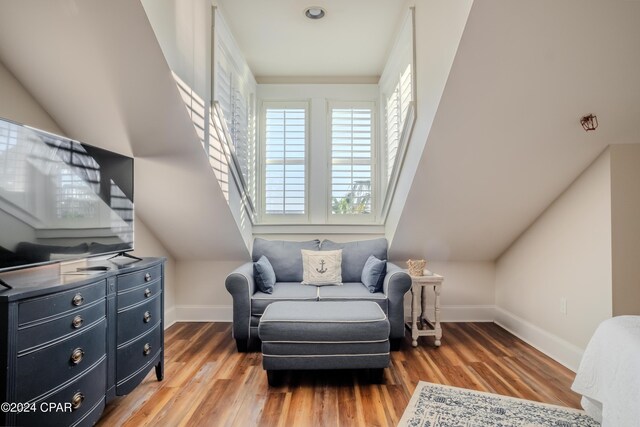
x,y
314,12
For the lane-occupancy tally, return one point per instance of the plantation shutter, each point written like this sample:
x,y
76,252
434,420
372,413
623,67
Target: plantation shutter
x,y
224,91
396,110
351,160
232,95
239,132
285,153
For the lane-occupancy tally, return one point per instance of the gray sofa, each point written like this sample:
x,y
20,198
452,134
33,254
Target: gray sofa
x,y
249,302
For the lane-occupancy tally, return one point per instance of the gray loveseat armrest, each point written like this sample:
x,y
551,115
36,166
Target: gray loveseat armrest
x,y
241,286
396,283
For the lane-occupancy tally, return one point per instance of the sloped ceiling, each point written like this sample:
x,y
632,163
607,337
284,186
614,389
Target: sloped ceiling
x,y
97,69
353,39
506,139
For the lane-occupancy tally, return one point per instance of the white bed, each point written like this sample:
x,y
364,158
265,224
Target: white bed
x,y
609,373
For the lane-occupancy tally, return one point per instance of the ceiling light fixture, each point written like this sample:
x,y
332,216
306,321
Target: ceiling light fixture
x,y
314,12
589,122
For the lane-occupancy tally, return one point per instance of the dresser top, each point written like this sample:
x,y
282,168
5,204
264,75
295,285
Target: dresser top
x,y
44,280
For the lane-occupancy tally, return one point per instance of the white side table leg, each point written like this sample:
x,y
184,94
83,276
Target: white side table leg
x,y
415,300
437,327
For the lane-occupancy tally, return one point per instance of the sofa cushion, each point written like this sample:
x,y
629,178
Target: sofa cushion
x,y
352,292
263,274
355,255
282,292
373,273
321,268
285,257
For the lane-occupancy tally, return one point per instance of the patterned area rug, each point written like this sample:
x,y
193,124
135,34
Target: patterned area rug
x,y
434,405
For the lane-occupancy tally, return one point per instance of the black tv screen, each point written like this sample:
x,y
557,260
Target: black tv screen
x,y
61,199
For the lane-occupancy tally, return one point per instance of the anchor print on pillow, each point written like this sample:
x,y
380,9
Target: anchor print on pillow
x,y
322,268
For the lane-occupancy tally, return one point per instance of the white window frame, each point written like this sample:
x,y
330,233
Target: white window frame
x,y
371,217
390,77
263,217
227,56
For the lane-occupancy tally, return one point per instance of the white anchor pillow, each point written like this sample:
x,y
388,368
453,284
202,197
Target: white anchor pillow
x,y
321,267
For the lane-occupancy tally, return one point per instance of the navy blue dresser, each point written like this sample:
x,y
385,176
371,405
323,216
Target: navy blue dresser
x,y
69,343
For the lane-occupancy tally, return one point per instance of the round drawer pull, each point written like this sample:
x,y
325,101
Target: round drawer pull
x,y
76,400
147,293
147,277
77,355
147,349
78,299
77,322
147,317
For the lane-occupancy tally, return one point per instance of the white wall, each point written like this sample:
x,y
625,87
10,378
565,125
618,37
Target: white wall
x,y
625,216
147,245
566,253
438,29
18,105
183,30
467,290
202,295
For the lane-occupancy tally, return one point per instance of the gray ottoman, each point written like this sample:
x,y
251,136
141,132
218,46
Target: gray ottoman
x,y
324,335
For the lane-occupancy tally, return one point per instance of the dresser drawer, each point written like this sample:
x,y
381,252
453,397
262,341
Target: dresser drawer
x,y
138,278
82,396
138,294
139,319
52,305
39,371
133,356
66,325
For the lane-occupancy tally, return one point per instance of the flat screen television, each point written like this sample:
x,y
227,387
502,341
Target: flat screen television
x,y
60,199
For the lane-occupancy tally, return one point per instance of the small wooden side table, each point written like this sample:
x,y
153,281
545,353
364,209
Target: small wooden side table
x,y
419,302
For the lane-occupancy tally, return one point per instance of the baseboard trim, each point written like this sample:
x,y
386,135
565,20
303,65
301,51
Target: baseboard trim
x,y
204,313
560,350
459,313
224,313
553,346
169,317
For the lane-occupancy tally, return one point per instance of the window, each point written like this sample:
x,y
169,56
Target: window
x,y
351,159
232,136
396,109
284,158
233,95
398,97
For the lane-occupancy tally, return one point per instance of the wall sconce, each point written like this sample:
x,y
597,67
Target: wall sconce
x,y
589,122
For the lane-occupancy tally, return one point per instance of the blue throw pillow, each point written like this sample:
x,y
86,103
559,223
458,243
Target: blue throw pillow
x,y
264,275
373,273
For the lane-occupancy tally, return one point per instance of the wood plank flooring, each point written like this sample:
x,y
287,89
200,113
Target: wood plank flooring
x,y
208,383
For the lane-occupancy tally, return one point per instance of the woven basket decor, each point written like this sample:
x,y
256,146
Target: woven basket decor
x,y
416,267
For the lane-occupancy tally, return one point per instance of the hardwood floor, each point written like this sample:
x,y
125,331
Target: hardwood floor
x,y
208,383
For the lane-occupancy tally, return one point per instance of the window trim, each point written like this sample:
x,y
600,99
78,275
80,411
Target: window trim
x,y
370,218
388,188
263,217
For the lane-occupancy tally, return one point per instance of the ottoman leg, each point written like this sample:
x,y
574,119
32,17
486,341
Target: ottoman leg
x,y
273,378
376,376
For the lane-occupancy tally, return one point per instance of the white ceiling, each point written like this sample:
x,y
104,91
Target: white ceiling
x,y
506,140
353,39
